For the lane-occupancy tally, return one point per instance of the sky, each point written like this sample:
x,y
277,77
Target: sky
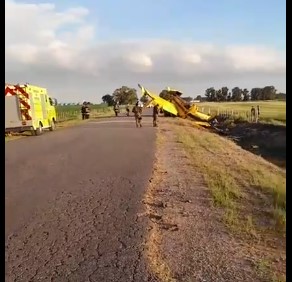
x,y
82,50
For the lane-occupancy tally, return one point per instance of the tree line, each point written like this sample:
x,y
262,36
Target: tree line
x,y
238,94
127,95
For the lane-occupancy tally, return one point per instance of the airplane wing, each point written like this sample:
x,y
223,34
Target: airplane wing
x,y
164,104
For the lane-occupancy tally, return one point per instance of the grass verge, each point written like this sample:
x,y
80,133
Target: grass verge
x,y
157,262
231,173
250,191
59,125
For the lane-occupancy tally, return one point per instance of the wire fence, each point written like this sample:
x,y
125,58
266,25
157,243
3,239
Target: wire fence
x,y
70,114
75,114
227,113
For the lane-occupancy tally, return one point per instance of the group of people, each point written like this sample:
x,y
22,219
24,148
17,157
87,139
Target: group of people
x,y
137,111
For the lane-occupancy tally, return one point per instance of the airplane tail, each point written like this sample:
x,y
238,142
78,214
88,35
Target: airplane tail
x,y
143,90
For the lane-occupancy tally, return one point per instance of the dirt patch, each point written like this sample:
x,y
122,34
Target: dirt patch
x,y
188,240
266,140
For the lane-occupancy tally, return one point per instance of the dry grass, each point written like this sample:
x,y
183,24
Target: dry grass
x,y
157,263
12,137
156,260
264,269
227,169
69,123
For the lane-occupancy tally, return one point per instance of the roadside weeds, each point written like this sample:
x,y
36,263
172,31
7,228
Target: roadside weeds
x,y
247,194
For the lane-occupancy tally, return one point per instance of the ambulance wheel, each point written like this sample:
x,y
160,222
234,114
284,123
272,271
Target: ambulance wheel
x,y
53,126
39,130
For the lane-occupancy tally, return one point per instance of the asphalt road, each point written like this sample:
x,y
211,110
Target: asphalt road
x,y
72,203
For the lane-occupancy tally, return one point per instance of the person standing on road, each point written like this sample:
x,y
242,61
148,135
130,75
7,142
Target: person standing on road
x,y
138,114
155,114
87,111
83,111
116,109
128,110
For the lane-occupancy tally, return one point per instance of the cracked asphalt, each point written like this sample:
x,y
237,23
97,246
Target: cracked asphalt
x,y
72,203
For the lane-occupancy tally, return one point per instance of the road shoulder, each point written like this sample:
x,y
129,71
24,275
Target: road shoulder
x,y
188,239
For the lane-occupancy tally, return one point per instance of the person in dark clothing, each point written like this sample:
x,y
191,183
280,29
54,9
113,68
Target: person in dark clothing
x,y
87,111
116,109
155,114
138,114
83,111
128,110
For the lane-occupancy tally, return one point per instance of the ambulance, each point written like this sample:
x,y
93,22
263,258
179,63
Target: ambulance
x,y
29,108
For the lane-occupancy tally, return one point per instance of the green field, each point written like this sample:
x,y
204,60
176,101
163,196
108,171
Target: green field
x,y
250,192
70,112
269,110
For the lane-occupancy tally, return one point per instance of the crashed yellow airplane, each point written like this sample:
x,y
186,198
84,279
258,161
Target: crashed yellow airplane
x,y
177,106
